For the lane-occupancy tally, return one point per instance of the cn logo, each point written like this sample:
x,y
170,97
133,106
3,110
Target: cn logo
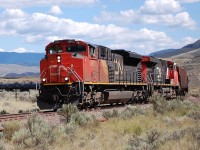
x,y
118,66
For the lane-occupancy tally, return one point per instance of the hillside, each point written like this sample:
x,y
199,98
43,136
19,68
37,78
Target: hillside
x,y
13,70
14,64
174,52
191,61
24,59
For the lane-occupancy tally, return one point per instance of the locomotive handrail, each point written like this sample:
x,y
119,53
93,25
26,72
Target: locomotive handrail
x,y
149,78
79,78
75,74
43,72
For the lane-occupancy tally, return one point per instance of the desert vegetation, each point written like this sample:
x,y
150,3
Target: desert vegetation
x,y
12,102
166,125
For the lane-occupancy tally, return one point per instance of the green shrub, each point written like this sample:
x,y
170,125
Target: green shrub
x,y
110,114
10,128
196,134
194,115
130,112
75,119
93,121
159,104
176,135
137,130
36,134
2,147
80,119
150,142
107,114
67,110
1,135
70,128
136,143
3,112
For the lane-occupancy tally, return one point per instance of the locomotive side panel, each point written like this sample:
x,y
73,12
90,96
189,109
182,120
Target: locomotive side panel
x,y
175,81
144,72
86,70
43,70
183,78
170,70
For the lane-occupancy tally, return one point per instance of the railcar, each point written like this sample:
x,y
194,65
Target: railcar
x,y
89,75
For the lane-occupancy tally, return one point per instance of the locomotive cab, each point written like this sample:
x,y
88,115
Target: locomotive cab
x,y
148,68
64,59
172,73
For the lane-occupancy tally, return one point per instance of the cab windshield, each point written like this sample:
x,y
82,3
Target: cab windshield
x,y
77,48
55,49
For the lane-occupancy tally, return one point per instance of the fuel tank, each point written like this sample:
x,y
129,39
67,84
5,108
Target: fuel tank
x,y
116,96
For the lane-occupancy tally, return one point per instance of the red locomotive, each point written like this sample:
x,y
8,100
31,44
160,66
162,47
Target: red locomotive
x,y
89,75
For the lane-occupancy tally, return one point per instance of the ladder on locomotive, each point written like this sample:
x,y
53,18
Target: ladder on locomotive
x,y
139,75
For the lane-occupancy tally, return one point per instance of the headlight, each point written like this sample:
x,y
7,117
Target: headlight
x,y
58,58
66,78
43,79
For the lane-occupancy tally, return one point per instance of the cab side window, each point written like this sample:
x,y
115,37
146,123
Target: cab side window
x,y
92,51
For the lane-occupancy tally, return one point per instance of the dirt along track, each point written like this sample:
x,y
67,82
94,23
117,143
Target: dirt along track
x,y
52,117
193,99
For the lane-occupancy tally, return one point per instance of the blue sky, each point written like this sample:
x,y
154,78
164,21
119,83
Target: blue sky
x,y
141,26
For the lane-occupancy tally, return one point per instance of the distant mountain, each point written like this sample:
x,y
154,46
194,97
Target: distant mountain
x,y
188,55
24,59
11,70
26,74
174,52
162,52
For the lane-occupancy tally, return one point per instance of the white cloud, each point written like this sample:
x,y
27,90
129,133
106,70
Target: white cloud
x,y
189,1
189,40
160,7
123,17
55,10
17,50
181,19
14,13
20,50
2,50
28,3
163,12
39,27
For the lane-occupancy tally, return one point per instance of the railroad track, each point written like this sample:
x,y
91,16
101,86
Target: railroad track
x,y
54,118
22,116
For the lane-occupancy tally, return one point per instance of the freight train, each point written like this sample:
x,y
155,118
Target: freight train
x,y
26,86
90,75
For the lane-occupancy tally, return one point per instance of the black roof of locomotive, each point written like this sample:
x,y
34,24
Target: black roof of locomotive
x,y
154,60
127,54
130,58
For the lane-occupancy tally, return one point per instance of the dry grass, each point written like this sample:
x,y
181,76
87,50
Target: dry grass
x,y
20,80
24,101
174,125
174,129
